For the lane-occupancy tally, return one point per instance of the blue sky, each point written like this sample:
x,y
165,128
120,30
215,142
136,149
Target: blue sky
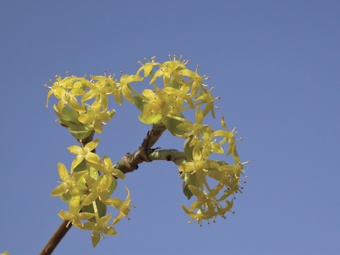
x,y
275,65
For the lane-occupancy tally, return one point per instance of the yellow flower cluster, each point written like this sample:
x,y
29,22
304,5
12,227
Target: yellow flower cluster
x,y
91,181
88,193
199,167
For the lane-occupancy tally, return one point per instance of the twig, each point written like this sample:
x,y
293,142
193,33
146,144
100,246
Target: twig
x,y
56,238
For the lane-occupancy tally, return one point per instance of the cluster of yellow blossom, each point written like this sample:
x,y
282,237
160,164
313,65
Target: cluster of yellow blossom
x,y
91,181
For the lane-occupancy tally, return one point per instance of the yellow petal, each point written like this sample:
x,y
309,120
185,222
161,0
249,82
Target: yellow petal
x,y
75,149
93,158
64,175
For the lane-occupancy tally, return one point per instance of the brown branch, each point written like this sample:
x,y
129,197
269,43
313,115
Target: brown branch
x,y
56,238
130,162
178,157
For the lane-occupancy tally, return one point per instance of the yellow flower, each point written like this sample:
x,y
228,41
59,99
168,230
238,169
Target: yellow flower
x,y
74,215
207,98
228,137
99,229
208,146
123,87
198,166
69,98
85,153
195,129
100,89
196,80
74,184
98,189
181,96
233,170
170,68
96,117
204,199
222,211
108,169
123,207
157,102
147,67
201,214
65,91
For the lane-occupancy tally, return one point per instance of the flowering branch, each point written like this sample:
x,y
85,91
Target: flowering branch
x,y
92,180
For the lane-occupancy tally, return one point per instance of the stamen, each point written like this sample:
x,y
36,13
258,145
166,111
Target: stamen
x,y
68,224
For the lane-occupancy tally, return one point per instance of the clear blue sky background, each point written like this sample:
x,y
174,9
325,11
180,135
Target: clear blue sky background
x,y
276,67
